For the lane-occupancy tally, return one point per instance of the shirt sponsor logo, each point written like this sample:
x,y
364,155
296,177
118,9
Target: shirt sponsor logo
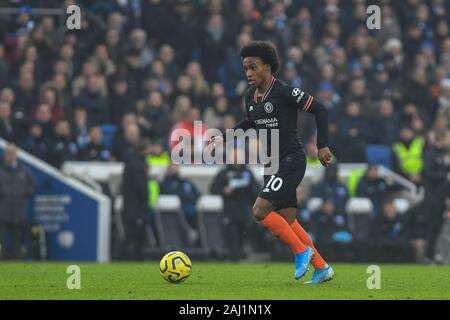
x,y
300,97
269,123
266,121
296,92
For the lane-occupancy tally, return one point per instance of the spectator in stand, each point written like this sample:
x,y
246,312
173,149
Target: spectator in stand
x,y
331,188
62,147
408,154
8,129
388,234
125,147
95,150
167,56
199,84
80,127
374,187
353,134
187,126
4,68
381,85
214,116
329,226
36,142
92,99
25,93
385,125
121,100
79,83
139,55
153,116
43,116
119,138
49,97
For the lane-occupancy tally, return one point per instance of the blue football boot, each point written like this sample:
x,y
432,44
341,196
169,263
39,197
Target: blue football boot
x,y
302,262
321,275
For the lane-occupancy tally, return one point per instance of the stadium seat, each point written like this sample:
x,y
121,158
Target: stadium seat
x,y
168,203
314,204
108,132
379,154
211,228
359,213
357,206
401,205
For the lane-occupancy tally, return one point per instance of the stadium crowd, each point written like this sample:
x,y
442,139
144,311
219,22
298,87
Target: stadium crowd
x,y
141,68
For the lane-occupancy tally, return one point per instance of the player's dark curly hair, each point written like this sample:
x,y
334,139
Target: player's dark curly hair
x,y
263,49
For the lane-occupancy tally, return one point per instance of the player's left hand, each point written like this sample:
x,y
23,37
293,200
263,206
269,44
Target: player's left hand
x,y
325,156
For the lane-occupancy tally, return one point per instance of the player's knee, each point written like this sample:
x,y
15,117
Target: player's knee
x,y
259,213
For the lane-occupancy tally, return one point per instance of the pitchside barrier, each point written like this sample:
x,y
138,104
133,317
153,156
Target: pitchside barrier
x,y
172,227
75,217
110,173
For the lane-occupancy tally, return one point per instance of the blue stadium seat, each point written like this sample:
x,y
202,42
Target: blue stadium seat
x,y
379,154
108,131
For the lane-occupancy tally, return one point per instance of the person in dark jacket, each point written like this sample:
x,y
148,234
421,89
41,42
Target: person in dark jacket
x,y
36,143
330,187
353,134
185,190
8,130
16,186
237,185
327,223
374,187
92,99
135,201
436,175
388,234
95,150
63,148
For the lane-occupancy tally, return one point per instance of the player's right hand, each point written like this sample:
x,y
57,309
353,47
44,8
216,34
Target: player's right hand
x,y
213,143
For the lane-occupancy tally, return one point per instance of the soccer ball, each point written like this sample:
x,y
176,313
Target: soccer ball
x,y
175,267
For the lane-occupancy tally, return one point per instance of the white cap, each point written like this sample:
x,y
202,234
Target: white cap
x,y
445,83
393,43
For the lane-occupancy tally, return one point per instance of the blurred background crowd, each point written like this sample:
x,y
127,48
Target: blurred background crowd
x,y
141,68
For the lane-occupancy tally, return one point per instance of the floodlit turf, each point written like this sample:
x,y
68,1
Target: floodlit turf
x,y
219,281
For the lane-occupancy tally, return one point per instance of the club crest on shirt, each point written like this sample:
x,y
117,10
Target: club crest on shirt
x,y
250,108
268,107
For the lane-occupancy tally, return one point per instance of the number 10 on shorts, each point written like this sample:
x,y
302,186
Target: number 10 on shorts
x,y
274,184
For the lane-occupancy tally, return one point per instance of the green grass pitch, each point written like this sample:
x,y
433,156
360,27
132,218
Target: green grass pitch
x,y
223,281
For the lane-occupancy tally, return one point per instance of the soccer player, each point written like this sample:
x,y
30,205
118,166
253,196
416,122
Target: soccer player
x,y
272,105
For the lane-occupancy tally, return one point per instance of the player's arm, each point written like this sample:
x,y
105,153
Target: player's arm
x,y
244,124
308,103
